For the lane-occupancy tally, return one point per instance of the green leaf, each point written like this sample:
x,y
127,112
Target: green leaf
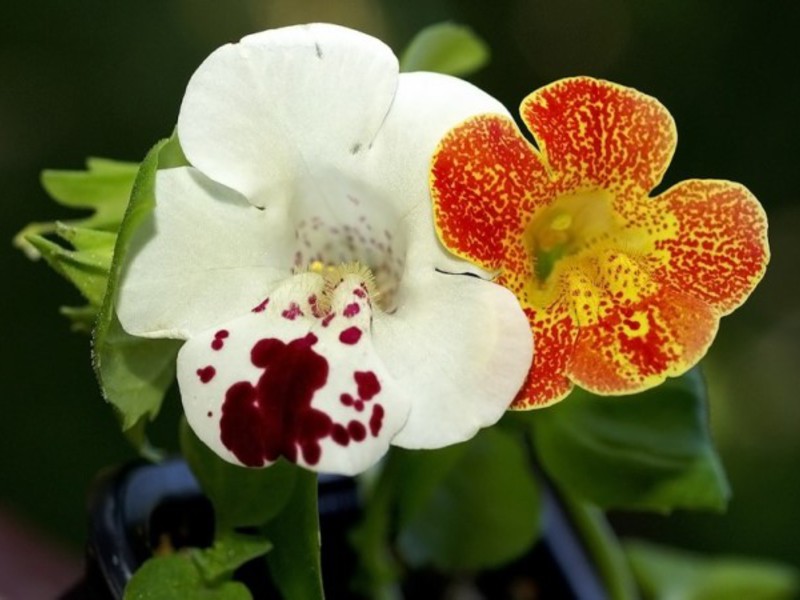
x,y
666,574
87,265
104,188
229,552
477,507
177,577
134,373
649,451
85,259
445,48
241,497
294,561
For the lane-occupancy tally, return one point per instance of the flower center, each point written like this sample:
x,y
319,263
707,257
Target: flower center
x,y
343,228
570,226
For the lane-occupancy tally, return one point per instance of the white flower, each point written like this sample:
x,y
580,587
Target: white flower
x,y
298,258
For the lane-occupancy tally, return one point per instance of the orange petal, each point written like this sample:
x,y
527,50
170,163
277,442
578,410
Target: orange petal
x,y
636,346
718,251
485,182
594,133
553,337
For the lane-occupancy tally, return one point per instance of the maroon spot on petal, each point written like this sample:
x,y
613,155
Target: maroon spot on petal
x,y
359,405
219,339
351,310
292,312
209,414
376,420
327,320
274,417
360,293
340,435
261,307
368,384
206,374
346,399
357,431
350,336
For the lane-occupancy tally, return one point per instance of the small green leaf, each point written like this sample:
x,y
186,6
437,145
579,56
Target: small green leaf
x,y
241,497
667,574
229,552
134,373
177,577
294,561
86,266
104,188
445,48
483,510
649,451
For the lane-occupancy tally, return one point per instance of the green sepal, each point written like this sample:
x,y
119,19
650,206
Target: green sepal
x,y
445,48
668,573
241,497
178,577
134,373
651,451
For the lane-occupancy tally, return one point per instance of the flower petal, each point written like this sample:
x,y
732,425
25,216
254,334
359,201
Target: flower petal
x,y
554,334
284,102
283,382
427,105
719,251
636,346
200,259
459,348
486,181
597,133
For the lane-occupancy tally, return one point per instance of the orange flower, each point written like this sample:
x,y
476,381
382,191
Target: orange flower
x,y
621,290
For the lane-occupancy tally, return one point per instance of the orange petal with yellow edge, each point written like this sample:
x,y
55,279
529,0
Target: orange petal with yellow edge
x,y
486,180
637,346
718,250
595,133
553,337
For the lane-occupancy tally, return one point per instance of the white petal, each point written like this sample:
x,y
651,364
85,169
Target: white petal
x,y
203,256
285,104
427,105
286,382
460,348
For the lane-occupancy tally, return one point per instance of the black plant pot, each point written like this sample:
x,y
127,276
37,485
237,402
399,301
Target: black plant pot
x,y
143,506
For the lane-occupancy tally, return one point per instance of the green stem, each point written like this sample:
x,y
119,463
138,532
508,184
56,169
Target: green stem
x,y
602,544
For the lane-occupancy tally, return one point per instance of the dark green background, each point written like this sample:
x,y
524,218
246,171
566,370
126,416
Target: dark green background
x,y
91,77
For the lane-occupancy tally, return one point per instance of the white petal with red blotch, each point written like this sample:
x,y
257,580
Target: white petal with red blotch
x,y
203,256
283,382
283,102
459,348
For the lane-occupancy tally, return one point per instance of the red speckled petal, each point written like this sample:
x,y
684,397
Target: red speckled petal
x,y
594,133
486,181
554,334
718,250
636,346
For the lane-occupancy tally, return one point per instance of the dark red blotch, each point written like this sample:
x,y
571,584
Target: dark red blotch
x,y
274,418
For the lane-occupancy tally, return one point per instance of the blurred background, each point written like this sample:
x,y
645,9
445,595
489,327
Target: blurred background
x,y
105,78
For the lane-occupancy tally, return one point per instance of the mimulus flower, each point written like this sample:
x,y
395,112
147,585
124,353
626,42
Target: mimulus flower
x,y
298,258
621,289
